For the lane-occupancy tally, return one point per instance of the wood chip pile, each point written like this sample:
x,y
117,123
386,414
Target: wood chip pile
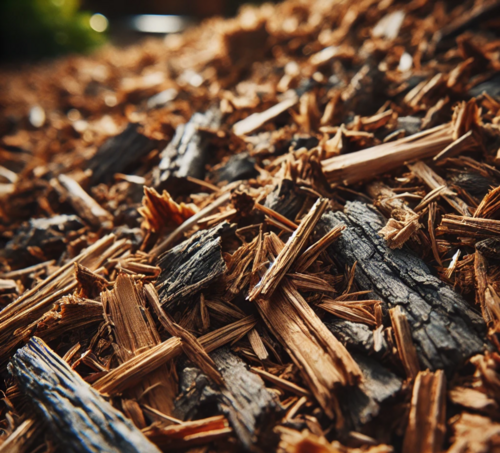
x,y
278,232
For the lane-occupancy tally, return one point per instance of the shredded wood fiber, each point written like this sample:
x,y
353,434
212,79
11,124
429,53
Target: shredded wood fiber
x,y
278,232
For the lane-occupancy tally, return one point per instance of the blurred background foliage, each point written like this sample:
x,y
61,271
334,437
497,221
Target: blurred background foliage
x,y
40,28
34,29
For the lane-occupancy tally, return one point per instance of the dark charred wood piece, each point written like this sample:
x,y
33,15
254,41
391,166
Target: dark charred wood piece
x,y
249,406
76,415
445,329
410,124
361,404
285,199
353,335
186,155
190,266
474,183
46,234
118,152
237,168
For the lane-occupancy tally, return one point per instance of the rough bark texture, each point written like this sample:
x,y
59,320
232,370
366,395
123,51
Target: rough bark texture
x,y
249,406
285,199
190,266
186,155
362,404
118,152
444,327
77,415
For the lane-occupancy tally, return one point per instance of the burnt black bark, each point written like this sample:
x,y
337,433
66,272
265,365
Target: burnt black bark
x,y
118,152
187,153
445,329
353,335
190,266
76,415
361,404
285,199
249,406
48,234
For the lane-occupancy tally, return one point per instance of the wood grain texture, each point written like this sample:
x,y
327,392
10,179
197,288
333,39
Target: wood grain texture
x,y
76,415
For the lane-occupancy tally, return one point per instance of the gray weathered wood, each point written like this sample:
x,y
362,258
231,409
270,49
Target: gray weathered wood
x,y
285,199
190,266
445,329
249,406
76,415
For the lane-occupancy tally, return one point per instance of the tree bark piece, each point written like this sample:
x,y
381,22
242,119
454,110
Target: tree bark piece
x,y
379,385
190,266
186,155
285,199
444,328
118,152
238,167
249,406
46,234
78,417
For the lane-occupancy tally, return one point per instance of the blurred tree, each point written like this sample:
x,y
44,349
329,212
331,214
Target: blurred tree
x,y
39,28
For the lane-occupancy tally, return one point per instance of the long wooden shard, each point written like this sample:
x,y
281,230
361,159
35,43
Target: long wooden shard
x,y
134,332
426,424
256,120
289,253
23,438
469,226
76,415
444,328
132,371
406,348
189,434
364,165
40,299
435,182
323,362
86,207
